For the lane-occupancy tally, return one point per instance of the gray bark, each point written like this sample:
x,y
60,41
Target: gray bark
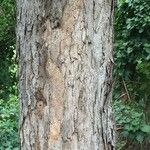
x,y
65,74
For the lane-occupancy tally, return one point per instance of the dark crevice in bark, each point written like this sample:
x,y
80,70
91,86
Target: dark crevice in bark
x,y
102,130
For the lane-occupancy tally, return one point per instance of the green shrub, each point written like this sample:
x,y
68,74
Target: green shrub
x,y
132,71
8,100
9,123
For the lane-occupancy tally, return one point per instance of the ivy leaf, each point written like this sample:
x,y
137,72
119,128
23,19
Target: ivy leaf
x,y
139,138
145,128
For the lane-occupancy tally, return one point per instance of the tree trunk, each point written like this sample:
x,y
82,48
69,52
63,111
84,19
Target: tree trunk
x,y
65,74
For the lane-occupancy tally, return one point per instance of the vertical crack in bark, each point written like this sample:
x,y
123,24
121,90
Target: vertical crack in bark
x,y
102,130
37,140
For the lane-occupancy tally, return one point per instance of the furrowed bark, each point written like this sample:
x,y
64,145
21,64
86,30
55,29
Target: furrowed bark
x,y
65,74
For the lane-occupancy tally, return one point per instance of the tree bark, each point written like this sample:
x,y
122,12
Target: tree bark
x,y
65,74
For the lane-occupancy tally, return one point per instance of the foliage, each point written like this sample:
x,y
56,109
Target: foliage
x,y
132,70
130,124
7,44
8,123
8,100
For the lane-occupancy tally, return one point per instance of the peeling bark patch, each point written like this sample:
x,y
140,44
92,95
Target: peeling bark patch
x,y
41,103
54,136
39,96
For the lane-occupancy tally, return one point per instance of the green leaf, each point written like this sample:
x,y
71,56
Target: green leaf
x,y
145,128
139,138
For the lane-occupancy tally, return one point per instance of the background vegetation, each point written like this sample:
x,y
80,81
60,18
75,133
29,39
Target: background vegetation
x,y
131,75
8,99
